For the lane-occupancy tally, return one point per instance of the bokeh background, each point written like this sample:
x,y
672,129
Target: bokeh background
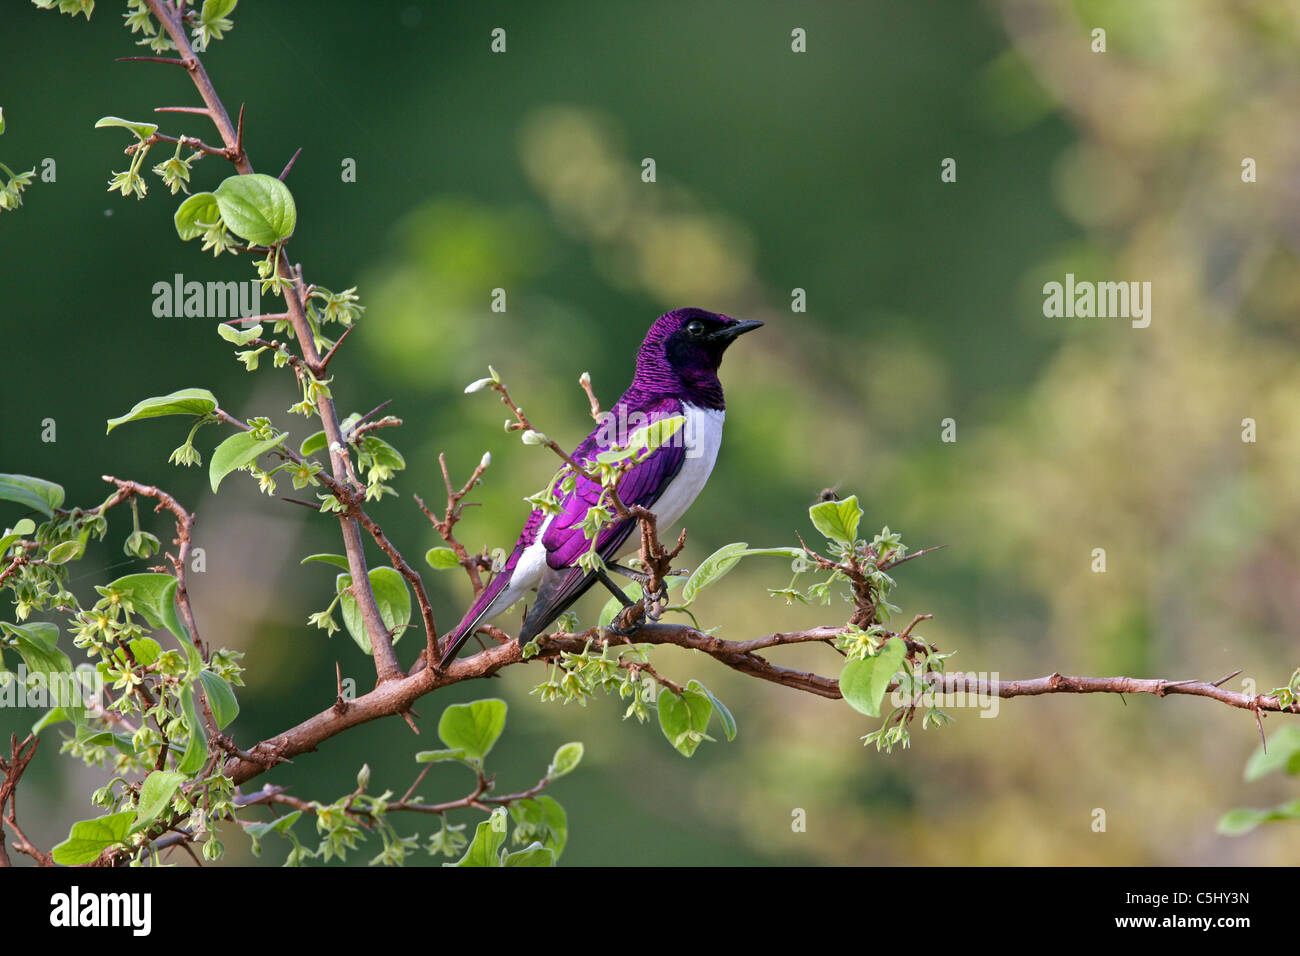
x,y
776,170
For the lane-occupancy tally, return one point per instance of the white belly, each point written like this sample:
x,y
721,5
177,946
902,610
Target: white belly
x,y
703,436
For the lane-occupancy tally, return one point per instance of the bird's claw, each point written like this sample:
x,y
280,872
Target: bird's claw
x,y
627,621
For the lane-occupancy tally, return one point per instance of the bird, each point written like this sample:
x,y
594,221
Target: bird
x,y
676,375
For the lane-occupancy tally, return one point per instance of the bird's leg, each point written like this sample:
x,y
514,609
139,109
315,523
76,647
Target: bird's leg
x,y
640,577
603,577
617,627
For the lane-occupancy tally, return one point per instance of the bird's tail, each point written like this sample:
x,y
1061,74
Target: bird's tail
x,y
479,612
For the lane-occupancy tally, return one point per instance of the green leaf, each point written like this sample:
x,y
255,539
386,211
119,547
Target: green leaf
x,y
145,650
37,644
2,121
437,756
153,595
532,855
838,520
55,715
725,716
645,440
712,569
864,682
312,444
391,595
65,552
187,401
338,560
21,529
473,727
196,215
196,751
44,496
1244,819
1283,754
257,207
89,838
684,719
566,760
235,336
214,10
238,451
221,698
545,818
156,795
142,130
483,849
442,559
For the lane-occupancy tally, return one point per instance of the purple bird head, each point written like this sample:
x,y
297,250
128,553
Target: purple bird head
x,y
681,354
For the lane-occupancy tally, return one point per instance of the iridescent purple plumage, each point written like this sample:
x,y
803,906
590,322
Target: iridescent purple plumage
x,y
676,374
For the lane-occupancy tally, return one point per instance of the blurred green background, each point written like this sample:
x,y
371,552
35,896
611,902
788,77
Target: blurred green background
x,y
776,170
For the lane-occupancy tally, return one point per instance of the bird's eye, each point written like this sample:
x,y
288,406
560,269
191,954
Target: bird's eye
x,y
695,327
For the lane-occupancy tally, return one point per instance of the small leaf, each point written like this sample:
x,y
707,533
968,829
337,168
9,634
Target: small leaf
x,y
65,552
566,760
312,444
44,496
238,451
221,698
725,716
21,528
1283,754
483,849
187,401
532,855
712,569
437,756
154,597
442,559
257,207
838,520
155,795
338,560
473,727
89,838
196,215
864,682
196,751
142,130
684,719
235,336
392,597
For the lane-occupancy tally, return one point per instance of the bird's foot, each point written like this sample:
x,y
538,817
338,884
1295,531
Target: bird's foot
x,y
628,621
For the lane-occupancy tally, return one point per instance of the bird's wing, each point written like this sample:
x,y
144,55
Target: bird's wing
x,y
564,581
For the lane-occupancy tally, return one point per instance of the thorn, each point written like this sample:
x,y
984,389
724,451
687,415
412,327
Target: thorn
x,y
324,362
196,110
289,165
410,723
1223,680
239,134
152,59
1259,722
298,501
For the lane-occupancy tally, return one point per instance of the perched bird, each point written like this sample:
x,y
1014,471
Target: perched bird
x,y
676,374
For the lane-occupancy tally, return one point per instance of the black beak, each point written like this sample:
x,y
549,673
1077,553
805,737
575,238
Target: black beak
x,y
729,332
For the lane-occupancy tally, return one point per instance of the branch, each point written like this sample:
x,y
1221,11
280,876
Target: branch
x,y
12,769
386,665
